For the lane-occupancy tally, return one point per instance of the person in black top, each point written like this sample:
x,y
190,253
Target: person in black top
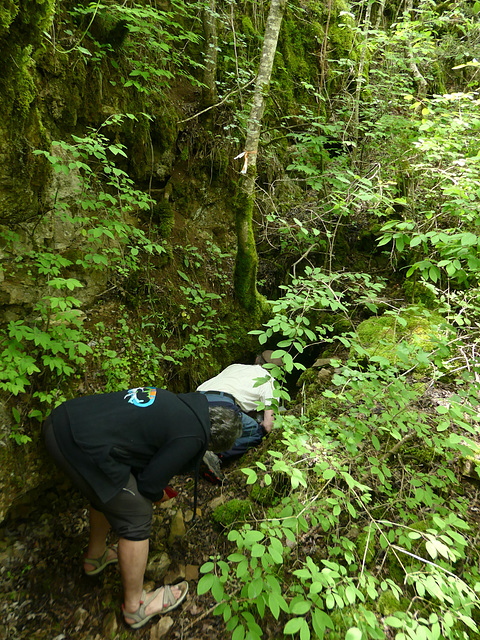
x,y
120,450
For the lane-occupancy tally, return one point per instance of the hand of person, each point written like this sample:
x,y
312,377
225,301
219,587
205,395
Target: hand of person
x,y
267,422
266,427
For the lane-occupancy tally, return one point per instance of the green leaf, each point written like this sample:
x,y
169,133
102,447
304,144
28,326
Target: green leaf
x,y
328,474
239,633
431,548
300,607
321,621
233,557
251,475
217,590
277,602
394,622
305,631
205,583
258,550
350,594
351,510
353,633
293,625
468,239
468,621
253,536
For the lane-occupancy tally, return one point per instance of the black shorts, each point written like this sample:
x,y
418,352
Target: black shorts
x,y
129,513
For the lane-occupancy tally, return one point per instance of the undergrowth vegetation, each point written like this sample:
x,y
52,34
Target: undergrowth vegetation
x,y
363,522
54,347
376,534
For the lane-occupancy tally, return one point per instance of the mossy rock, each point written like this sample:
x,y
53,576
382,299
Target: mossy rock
x,y
420,454
382,336
366,553
387,604
163,215
416,292
232,512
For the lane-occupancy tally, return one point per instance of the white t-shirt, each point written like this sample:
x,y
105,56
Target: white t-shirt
x,y
239,381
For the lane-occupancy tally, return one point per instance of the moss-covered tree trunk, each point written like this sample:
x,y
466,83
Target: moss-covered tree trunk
x,y
209,19
247,259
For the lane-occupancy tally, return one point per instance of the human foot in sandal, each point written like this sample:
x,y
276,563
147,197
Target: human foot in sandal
x,y
155,603
94,566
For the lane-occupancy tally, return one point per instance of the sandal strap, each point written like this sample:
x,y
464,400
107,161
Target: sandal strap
x,y
97,562
168,597
136,616
139,615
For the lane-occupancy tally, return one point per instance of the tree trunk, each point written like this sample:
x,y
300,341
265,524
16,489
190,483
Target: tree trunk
x,y
361,80
209,19
245,278
419,79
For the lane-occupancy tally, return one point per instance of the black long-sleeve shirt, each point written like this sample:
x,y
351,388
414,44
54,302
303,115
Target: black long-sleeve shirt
x,y
150,432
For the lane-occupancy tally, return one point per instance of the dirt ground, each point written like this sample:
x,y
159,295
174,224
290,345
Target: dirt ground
x,y
44,594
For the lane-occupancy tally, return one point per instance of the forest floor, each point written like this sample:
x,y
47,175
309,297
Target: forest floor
x,y
44,594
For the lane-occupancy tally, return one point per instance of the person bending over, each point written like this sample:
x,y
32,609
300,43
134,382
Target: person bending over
x,y
246,386
120,450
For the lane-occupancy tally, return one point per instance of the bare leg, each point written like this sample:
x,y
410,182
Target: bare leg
x,y
132,556
97,543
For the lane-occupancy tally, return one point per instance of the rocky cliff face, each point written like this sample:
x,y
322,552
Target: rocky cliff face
x,y
65,70
117,244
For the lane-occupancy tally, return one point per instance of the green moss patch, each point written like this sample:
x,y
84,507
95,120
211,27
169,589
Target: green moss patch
x,y
382,336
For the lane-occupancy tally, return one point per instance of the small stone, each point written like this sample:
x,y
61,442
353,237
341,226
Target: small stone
x,y
157,566
321,362
177,529
324,376
191,572
189,514
175,574
216,502
149,585
161,628
79,618
195,610
4,555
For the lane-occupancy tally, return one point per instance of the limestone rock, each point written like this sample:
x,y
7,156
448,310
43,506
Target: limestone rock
x,y
175,574
161,628
177,529
157,566
216,502
79,618
191,572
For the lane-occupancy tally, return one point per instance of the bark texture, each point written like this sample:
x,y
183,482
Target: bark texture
x,y
247,259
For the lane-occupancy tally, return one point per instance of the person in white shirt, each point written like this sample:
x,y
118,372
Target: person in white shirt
x,y
247,386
